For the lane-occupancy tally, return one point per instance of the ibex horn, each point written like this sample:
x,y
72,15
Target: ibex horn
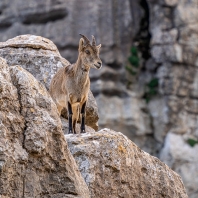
x,y
85,39
93,41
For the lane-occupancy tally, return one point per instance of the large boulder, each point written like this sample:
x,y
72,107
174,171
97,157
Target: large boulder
x,y
34,157
42,59
113,165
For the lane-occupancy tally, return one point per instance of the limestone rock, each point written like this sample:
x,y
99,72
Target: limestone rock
x,y
35,160
113,165
174,48
36,54
41,58
180,156
171,2
124,114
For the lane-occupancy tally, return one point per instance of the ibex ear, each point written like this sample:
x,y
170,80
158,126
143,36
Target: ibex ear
x,y
81,44
99,46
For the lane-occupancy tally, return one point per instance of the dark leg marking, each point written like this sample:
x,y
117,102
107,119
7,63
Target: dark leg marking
x,y
70,117
74,126
83,118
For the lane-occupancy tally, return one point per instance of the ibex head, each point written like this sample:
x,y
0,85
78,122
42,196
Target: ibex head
x,y
89,52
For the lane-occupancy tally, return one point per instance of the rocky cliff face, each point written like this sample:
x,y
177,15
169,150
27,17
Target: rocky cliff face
x,y
35,160
173,27
171,57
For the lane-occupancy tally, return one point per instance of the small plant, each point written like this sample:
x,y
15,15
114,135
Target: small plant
x,y
192,142
133,66
151,89
133,61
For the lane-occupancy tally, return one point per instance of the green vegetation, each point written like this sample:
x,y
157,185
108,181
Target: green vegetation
x,y
151,89
133,68
133,61
192,142
130,70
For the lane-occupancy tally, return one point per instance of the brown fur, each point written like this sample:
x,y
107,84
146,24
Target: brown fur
x,y
71,83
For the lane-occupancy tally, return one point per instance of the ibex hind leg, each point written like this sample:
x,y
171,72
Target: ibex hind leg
x,y
59,107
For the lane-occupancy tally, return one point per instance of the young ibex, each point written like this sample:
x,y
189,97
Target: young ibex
x,y
70,85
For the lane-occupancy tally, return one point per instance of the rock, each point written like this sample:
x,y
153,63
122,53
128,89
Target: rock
x,y
186,13
194,87
171,2
181,157
124,114
46,18
175,110
35,160
164,37
36,54
189,35
159,112
113,165
163,53
41,58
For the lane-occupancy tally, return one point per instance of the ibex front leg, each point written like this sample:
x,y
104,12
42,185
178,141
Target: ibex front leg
x,y
83,117
70,117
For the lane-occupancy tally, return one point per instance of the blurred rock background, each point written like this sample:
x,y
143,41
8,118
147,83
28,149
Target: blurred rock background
x,y
148,86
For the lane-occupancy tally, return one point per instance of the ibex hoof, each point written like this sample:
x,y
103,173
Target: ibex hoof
x,y
83,131
70,131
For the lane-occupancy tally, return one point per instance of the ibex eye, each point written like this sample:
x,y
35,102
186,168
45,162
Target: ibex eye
x,y
87,51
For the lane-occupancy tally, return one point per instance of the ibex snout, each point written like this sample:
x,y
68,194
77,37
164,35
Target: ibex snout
x,y
98,64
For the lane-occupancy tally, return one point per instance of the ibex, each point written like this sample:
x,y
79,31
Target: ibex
x,y
70,85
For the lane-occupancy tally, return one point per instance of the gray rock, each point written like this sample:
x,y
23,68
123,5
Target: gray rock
x,y
174,48
171,2
181,157
35,160
36,54
164,37
124,115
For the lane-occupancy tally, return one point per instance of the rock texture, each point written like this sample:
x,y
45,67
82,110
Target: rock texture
x,y
182,157
41,58
34,157
172,59
173,26
114,166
